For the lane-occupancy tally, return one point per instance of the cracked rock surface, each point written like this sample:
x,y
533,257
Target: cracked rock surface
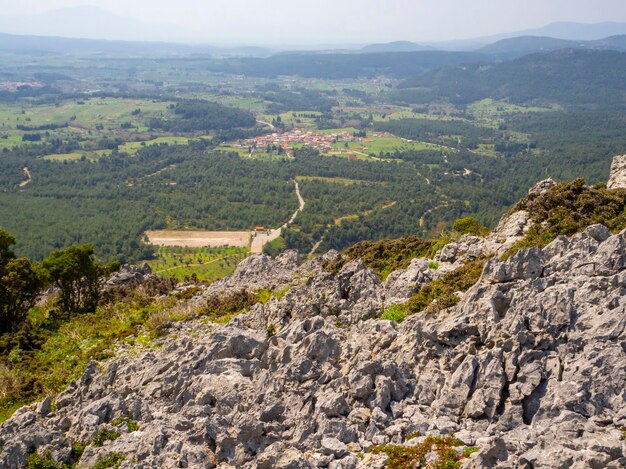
x,y
530,367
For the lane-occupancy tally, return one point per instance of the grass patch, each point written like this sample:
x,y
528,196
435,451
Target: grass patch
x,y
264,295
395,313
52,349
275,247
199,264
405,457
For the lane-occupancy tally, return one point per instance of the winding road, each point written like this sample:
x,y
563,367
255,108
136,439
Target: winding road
x,y
260,239
29,178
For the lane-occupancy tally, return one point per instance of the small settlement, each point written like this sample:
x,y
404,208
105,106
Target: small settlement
x,y
286,142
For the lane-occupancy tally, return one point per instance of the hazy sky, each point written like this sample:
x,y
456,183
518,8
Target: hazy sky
x,y
341,21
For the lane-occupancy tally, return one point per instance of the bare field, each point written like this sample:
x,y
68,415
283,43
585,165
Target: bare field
x,y
198,239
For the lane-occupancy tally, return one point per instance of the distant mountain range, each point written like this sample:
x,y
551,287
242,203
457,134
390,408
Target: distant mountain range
x,y
397,46
507,49
20,44
580,78
569,31
50,32
562,30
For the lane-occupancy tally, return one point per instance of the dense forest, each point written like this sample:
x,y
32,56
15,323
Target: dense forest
x,y
175,186
196,186
576,78
557,114
339,66
199,115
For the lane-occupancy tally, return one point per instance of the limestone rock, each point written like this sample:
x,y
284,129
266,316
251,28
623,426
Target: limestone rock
x,y
617,176
529,367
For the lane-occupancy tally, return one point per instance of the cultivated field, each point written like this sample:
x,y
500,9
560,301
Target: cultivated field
x,y
198,239
207,264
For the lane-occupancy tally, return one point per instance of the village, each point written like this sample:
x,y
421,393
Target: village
x,y
286,142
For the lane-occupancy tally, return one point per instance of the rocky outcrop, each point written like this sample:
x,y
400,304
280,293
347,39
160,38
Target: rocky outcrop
x,y
617,177
128,274
530,367
260,272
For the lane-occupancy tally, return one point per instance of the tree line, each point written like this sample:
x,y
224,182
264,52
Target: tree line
x,y
72,271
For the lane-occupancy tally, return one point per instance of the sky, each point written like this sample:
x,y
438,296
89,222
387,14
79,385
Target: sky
x,y
337,21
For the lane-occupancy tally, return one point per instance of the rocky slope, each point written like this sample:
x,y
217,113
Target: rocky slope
x,y
528,370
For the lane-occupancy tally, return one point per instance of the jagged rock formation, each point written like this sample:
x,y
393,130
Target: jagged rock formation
x,y
617,177
529,367
129,274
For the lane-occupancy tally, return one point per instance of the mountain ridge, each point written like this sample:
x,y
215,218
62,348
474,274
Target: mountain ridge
x,y
506,375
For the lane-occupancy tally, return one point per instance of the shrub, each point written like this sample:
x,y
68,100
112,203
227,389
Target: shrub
x,y
469,225
77,275
384,256
35,461
104,435
77,451
439,294
220,306
405,457
395,313
271,330
569,208
113,460
130,423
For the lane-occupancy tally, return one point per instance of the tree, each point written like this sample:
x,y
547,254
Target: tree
x,y
19,285
77,275
469,225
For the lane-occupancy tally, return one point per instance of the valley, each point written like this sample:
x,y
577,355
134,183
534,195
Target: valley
x,y
215,151
312,252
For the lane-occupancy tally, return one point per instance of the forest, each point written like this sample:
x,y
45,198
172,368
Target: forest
x,y
587,79
199,115
161,143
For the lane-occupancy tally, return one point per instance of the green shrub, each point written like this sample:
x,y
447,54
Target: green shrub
x,y
77,275
35,461
264,295
385,256
130,423
469,225
113,460
569,208
467,452
433,265
78,448
271,330
395,313
439,294
104,435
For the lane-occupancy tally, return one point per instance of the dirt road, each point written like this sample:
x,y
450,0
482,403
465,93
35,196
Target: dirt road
x,y
260,239
29,178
